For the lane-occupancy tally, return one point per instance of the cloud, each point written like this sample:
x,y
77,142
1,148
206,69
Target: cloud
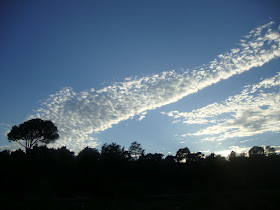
x,y
142,116
78,115
255,110
10,147
5,124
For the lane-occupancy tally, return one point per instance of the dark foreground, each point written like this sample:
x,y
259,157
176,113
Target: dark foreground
x,y
56,179
205,200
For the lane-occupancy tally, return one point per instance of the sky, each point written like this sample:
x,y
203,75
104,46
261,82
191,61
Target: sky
x,y
167,74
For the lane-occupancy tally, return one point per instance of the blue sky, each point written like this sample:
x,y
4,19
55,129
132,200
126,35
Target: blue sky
x,y
168,74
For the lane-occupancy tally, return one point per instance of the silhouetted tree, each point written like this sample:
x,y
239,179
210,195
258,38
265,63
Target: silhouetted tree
x,y
232,155
5,154
43,152
220,158
88,154
170,159
182,154
112,152
193,157
152,157
48,171
135,150
64,153
270,150
212,156
18,154
256,151
126,154
32,132
242,154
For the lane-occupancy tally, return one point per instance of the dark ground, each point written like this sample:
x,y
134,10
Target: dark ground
x,y
208,200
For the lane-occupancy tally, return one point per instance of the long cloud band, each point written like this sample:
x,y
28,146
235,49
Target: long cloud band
x,y
78,115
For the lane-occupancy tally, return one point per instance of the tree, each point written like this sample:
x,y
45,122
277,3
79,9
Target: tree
x,y
194,157
43,153
182,154
135,150
211,157
242,154
170,159
232,155
152,157
88,155
111,152
32,132
269,150
256,151
18,154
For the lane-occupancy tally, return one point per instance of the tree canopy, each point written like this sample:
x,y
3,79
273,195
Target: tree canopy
x,y
112,152
182,154
32,132
136,150
256,151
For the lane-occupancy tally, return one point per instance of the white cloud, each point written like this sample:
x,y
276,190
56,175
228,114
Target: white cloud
x,y
11,147
78,115
254,111
142,116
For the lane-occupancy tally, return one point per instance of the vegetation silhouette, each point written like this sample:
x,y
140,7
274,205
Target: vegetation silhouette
x,y
256,151
32,132
131,179
135,150
112,174
182,154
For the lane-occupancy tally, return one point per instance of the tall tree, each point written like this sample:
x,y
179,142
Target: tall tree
x,y
194,157
170,159
32,132
88,155
112,151
182,154
135,150
269,150
232,155
256,151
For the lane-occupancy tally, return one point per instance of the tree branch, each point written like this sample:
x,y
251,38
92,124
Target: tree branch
x,y
32,144
21,144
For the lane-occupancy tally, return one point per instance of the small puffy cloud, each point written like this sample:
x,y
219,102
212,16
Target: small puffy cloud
x,y
255,110
79,115
142,116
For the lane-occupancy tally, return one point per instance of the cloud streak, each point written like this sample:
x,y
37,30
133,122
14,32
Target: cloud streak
x,y
255,110
78,115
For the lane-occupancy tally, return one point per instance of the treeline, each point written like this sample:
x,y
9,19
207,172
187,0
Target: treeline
x,y
118,172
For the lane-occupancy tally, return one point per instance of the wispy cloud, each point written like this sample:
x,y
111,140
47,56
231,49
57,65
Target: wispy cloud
x,y
10,147
254,111
78,115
